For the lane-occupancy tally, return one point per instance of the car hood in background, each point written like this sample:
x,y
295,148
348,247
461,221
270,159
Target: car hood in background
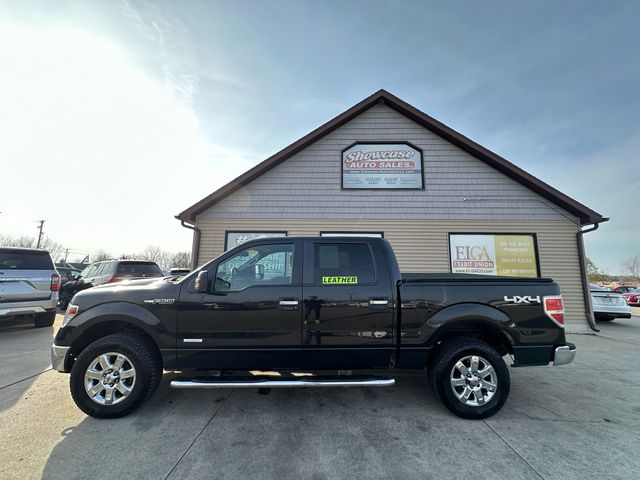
x,y
132,291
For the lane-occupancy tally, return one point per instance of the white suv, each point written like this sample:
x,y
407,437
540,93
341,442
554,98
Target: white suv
x,y
29,285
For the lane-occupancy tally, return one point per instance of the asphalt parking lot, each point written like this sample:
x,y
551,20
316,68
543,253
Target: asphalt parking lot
x,y
577,421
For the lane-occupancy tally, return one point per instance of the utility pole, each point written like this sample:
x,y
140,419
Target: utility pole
x,y
40,234
66,253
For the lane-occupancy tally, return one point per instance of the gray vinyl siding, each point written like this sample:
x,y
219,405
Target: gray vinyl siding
x,y
422,246
458,185
303,196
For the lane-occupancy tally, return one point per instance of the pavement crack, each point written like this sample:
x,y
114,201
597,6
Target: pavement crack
x,y
26,378
617,339
513,450
198,435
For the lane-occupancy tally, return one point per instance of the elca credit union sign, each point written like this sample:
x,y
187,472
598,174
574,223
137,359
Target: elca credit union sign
x,y
383,166
486,254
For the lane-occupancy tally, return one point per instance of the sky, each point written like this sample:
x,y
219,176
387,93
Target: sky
x,y
119,115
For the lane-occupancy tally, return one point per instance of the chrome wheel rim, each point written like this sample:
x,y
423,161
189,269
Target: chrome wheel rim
x,y
109,379
474,381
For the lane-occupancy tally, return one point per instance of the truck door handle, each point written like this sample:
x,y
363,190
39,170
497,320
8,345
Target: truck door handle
x,y
379,303
288,303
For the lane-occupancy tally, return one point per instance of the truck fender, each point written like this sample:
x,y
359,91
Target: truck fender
x,y
113,312
466,315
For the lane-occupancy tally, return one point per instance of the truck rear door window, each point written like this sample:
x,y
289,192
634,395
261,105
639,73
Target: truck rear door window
x,y
343,264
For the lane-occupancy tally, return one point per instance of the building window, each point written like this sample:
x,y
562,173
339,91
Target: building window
x,y
233,239
508,254
352,234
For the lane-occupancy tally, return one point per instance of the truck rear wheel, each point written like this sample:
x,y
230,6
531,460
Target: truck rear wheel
x,y
114,375
470,377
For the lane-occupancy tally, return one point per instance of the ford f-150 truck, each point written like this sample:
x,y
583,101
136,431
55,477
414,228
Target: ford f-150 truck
x,y
324,306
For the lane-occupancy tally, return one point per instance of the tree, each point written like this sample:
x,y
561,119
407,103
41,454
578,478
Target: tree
x,y
152,253
56,250
594,274
181,260
23,241
632,265
100,256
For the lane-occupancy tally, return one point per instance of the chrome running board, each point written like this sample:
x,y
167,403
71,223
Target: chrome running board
x,y
262,382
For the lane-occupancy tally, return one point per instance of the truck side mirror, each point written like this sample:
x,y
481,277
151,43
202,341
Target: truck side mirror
x,y
259,271
201,284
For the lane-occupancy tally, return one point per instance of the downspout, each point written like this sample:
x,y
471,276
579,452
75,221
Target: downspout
x,y
195,246
583,273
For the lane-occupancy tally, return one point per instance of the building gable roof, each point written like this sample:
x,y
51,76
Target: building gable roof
x,y
585,214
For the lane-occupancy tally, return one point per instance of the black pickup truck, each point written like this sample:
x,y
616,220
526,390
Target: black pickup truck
x,y
324,306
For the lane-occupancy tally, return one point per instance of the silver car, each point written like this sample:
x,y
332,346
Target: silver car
x,y
608,305
29,285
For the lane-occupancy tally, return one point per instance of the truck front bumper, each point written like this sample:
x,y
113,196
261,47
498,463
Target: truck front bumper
x,y
59,357
564,354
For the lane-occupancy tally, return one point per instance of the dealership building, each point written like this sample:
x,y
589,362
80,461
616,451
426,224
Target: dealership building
x,y
445,203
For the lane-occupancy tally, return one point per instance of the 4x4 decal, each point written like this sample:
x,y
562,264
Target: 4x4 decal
x,y
526,299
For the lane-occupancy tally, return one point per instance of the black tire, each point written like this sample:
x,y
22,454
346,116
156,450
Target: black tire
x,y
442,365
143,356
46,319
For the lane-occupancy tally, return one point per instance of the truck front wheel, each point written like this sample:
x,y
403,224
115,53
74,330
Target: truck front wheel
x,y
114,375
470,377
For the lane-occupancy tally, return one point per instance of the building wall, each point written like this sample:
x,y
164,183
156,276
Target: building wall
x,y
303,196
422,246
457,185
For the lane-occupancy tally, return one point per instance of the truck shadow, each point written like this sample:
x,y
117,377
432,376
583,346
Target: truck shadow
x,y
149,442
24,354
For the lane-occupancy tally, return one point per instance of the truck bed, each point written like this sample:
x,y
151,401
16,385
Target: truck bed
x,y
467,277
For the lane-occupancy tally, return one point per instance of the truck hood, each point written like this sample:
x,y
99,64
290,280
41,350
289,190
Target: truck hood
x,y
142,291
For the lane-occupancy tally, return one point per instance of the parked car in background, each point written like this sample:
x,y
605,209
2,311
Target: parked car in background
x,y
67,274
633,297
179,272
29,285
608,305
624,289
109,271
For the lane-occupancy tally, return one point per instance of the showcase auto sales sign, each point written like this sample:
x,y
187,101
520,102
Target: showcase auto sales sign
x,y
382,165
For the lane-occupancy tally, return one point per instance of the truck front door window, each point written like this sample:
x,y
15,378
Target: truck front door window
x,y
253,266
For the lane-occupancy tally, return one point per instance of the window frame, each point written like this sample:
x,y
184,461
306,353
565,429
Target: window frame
x,y
274,233
332,234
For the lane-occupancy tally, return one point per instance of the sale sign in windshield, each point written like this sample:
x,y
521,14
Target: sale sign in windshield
x,y
481,254
382,165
